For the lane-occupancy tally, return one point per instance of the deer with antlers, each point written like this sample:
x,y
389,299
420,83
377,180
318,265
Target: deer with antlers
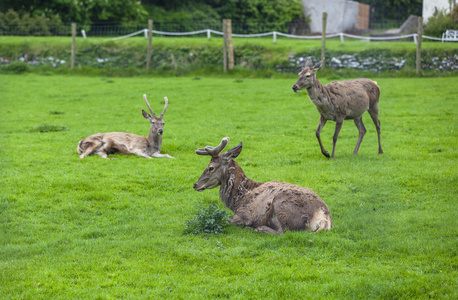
x,y
341,100
270,207
149,146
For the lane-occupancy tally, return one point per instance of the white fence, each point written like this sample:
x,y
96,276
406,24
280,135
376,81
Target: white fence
x,y
275,34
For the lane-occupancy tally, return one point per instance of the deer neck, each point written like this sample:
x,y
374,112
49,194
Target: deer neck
x,y
235,186
154,141
317,92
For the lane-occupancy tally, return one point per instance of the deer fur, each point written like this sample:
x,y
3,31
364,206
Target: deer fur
x,y
104,144
270,207
341,100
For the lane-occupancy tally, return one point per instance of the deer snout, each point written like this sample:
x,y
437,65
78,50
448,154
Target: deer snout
x,y
295,88
160,131
197,188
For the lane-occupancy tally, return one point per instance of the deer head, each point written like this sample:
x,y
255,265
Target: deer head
x,y
157,125
218,166
306,76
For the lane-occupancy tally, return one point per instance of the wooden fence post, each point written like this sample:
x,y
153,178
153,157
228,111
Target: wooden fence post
x,y
224,46
72,63
420,33
230,47
323,40
150,39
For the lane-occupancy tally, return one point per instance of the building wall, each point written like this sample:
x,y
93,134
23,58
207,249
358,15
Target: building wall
x,y
342,15
430,5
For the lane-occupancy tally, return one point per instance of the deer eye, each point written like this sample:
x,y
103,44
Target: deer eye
x,y
211,169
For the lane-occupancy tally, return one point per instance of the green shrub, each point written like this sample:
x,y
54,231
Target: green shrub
x,y
440,21
13,23
207,220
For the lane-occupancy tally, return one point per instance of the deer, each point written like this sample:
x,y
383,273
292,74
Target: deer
x,y
149,146
341,100
268,207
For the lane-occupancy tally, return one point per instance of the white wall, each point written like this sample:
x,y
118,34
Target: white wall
x,y
429,5
342,15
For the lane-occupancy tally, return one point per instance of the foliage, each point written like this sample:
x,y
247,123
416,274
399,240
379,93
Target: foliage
x,y
179,56
441,21
82,11
89,11
209,219
259,10
26,24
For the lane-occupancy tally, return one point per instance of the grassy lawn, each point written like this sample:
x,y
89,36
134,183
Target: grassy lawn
x,y
105,229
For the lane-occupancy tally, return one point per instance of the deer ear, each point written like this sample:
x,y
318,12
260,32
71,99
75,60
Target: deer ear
x,y
308,62
146,115
317,66
233,153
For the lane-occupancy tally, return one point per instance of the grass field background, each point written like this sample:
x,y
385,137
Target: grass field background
x,y
106,229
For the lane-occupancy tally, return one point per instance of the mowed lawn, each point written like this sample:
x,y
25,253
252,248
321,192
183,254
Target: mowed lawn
x,y
108,229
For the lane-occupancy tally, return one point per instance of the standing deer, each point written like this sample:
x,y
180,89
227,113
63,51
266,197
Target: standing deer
x,y
341,100
270,207
104,144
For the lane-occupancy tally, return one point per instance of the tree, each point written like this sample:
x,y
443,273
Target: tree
x,y
81,11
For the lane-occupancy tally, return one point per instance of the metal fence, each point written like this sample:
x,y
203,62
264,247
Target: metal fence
x,y
299,27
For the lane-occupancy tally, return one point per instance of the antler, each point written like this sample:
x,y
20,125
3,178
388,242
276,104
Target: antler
x,y
213,151
165,107
147,104
308,63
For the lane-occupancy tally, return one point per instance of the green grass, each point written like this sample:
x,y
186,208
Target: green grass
x,y
284,45
105,229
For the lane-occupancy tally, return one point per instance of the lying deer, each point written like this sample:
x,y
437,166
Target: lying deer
x,y
104,144
270,207
341,100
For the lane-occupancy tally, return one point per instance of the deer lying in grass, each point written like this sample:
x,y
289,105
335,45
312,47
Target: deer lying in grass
x,y
104,144
270,207
341,100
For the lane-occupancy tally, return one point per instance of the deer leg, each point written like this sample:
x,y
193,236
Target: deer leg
x,y
373,112
362,131
157,154
267,229
140,153
88,151
339,123
320,126
102,154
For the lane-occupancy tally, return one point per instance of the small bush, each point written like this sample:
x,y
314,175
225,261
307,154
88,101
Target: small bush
x,y
440,21
208,220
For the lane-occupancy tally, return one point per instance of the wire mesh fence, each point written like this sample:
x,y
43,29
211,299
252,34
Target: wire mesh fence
x,y
299,27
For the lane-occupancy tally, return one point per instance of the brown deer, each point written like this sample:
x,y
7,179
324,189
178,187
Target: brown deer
x,y
104,144
270,207
341,100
